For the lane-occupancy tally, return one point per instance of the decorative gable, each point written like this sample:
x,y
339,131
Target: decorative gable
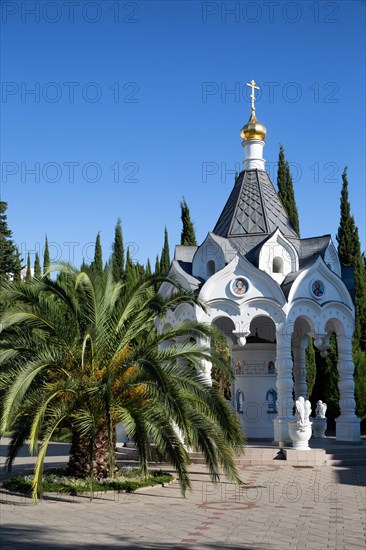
x,y
214,253
332,260
240,282
278,257
321,284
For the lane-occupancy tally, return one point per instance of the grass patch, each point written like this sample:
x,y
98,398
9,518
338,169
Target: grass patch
x,y
56,481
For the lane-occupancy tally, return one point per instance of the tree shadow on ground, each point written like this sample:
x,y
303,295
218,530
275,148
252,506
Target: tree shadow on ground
x,y
17,537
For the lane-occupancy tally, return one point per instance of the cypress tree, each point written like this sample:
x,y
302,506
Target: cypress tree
x,y
165,255
84,266
188,235
130,271
98,255
10,261
349,251
292,208
46,257
37,267
282,176
139,271
157,266
310,366
359,358
330,388
326,383
28,275
286,190
346,231
148,271
118,254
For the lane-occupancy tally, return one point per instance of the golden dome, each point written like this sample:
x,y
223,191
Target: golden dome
x,y
253,129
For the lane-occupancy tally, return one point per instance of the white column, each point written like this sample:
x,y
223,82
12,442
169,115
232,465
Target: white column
x,y
347,424
299,352
284,385
206,365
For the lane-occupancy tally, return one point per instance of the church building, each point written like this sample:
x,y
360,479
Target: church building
x,y
268,290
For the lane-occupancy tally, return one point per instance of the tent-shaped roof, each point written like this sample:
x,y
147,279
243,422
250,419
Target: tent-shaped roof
x,y
253,209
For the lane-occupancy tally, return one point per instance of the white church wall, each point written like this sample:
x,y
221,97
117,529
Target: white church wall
x,y
254,389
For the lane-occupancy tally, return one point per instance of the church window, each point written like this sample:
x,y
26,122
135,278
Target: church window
x,y
277,265
211,268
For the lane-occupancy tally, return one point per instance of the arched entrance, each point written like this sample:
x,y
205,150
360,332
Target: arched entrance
x,y
254,388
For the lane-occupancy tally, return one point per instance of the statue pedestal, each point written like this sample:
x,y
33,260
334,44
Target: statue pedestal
x,y
300,435
307,457
319,427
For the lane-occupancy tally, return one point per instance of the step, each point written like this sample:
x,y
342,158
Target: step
x,y
335,456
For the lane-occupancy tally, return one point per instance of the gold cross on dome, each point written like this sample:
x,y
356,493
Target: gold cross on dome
x,y
252,95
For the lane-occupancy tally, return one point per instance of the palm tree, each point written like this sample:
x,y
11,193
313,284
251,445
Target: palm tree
x,y
83,351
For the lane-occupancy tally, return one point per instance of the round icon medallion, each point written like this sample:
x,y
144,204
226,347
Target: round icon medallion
x,y
239,286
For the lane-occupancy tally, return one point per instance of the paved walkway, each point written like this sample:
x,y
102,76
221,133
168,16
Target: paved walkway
x,y
278,507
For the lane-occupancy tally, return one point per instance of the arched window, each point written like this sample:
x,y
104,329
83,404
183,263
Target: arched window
x,y
211,268
277,265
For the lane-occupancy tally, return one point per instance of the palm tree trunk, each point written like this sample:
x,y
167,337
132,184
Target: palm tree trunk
x,y
79,460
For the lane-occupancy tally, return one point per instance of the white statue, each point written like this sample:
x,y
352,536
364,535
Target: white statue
x,y
303,411
321,409
300,429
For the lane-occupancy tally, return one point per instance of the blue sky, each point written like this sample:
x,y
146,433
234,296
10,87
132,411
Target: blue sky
x,y
136,104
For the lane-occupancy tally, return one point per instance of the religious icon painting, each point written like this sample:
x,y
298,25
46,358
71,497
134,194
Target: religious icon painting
x,y
317,288
239,286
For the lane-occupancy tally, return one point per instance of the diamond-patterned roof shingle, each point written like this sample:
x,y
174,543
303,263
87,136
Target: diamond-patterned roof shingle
x,y
253,208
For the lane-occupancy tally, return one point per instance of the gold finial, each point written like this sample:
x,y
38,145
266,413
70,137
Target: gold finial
x,y
253,129
252,95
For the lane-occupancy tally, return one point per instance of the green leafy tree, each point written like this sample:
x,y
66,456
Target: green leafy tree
x,y
286,190
46,258
223,378
28,275
165,255
118,253
188,235
10,261
37,267
98,255
83,351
